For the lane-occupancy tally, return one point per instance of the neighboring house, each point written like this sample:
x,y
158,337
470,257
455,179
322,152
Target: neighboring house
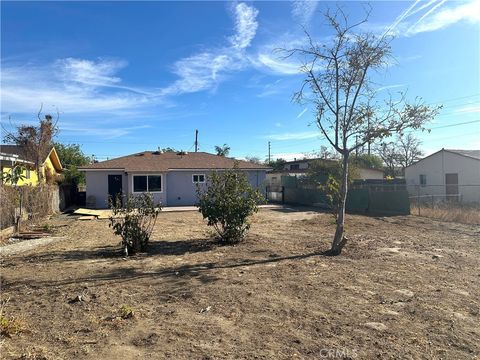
x,y
11,155
299,168
171,177
447,174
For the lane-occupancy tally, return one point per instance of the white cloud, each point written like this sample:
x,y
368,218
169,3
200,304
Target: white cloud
x,y
89,72
431,16
276,64
206,70
293,136
71,85
469,109
112,133
303,10
395,86
289,156
431,21
245,25
301,113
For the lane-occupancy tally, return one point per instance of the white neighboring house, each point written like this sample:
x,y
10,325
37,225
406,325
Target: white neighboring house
x,y
446,174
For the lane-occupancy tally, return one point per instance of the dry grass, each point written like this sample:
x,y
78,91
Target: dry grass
x,y
463,215
10,325
36,203
405,287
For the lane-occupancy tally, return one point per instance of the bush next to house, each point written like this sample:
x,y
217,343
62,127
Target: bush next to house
x,y
133,218
226,201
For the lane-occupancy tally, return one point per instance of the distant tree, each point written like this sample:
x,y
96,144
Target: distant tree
x,y
367,161
226,201
253,159
71,156
222,150
169,149
408,149
389,155
35,140
277,164
349,112
326,153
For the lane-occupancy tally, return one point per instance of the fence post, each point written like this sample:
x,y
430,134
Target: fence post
x,y
418,199
433,202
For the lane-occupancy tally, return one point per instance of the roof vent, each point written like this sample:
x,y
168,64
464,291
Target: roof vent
x,y
182,153
140,154
156,153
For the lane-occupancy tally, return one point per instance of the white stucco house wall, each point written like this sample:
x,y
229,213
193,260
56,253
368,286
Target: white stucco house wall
x,y
170,177
446,174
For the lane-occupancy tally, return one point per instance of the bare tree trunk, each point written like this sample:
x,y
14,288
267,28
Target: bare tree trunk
x,y
339,240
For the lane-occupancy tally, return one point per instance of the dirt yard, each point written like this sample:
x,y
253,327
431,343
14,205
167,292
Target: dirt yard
x,y
405,287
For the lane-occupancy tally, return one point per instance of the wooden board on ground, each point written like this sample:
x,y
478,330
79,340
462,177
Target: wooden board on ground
x,y
87,218
82,211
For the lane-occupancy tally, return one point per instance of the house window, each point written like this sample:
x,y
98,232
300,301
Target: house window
x,y
295,167
423,180
27,173
147,183
198,178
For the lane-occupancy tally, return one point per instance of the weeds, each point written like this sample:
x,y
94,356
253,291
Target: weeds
x,y
464,215
10,325
126,312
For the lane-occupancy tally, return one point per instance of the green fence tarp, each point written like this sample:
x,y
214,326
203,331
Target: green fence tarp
x,y
357,200
289,181
304,196
389,202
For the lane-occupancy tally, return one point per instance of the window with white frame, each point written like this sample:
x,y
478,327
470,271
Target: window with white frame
x,y
198,178
147,183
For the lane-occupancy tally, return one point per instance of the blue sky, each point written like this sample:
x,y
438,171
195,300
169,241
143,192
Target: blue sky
x,y
133,76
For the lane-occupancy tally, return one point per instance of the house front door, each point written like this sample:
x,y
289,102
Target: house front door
x,y
114,185
451,186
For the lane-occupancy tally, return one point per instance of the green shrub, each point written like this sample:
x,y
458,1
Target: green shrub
x,y
226,201
133,219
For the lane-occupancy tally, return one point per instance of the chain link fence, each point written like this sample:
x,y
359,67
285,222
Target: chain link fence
x,y
451,202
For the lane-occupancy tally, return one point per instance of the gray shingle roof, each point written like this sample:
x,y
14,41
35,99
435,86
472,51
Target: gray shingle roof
x,y
470,153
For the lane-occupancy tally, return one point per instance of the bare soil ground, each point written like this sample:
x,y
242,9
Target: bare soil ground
x,y
405,287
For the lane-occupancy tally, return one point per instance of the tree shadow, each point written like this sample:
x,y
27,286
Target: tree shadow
x,y
176,274
290,208
175,247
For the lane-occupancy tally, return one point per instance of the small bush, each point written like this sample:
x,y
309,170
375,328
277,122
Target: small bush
x,y
133,219
226,202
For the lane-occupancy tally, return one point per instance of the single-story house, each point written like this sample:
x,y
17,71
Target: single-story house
x,y
299,168
13,155
171,177
446,174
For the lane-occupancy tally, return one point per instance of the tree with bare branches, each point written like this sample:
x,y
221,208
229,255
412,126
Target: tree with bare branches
x,y
35,140
349,112
408,150
389,154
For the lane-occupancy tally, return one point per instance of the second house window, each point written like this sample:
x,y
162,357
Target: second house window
x,y
198,178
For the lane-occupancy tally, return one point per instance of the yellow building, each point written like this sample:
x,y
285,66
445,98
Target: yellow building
x,y
12,155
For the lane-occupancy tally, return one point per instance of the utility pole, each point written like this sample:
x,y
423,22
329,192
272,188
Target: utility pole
x,y
269,160
368,127
196,140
